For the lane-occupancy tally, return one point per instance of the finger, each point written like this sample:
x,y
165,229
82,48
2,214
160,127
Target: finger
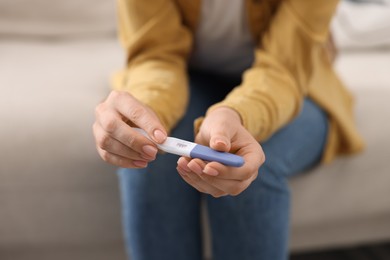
x,y
196,166
214,169
120,161
105,142
114,127
231,187
183,162
253,156
194,180
224,172
140,115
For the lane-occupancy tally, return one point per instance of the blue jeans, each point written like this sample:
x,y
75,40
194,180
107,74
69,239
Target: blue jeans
x,y
161,213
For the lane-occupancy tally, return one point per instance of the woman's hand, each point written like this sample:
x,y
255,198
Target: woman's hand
x,y
117,143
222,130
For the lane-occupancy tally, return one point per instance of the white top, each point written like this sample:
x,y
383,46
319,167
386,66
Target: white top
x,y
223,42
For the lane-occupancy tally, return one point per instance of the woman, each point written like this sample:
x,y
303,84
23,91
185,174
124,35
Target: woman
x,y
248,77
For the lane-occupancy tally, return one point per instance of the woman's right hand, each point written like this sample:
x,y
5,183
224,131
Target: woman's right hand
x,y
117,143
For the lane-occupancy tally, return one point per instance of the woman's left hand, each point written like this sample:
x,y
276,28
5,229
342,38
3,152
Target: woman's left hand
x,y
222,130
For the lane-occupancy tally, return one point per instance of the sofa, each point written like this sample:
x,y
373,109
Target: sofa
x,y
59,200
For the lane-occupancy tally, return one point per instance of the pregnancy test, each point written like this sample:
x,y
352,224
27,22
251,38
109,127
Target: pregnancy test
x,y
189,149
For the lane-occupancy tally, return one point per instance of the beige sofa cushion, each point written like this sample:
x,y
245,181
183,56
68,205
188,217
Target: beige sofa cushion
x,y
57,18
347,202
55,191
362,25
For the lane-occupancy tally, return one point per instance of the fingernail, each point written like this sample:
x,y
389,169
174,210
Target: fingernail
x,y
210,171
183,165
149,150
159,136
141,164
195,168
219,141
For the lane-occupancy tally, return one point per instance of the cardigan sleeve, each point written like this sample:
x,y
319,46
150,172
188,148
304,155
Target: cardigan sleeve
x,y
273,89
157,45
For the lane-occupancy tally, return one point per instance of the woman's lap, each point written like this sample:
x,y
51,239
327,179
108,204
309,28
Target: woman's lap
x,y
161,213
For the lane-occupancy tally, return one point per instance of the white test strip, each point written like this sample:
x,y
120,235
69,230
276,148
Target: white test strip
x,y
189,149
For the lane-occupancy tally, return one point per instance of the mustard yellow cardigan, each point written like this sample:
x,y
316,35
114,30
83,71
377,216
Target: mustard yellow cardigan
x,y
291,62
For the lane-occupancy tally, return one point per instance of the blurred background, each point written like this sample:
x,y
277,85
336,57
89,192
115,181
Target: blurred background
x,y
58,200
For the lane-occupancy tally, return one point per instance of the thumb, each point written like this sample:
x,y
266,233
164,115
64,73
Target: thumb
x,y
220,140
